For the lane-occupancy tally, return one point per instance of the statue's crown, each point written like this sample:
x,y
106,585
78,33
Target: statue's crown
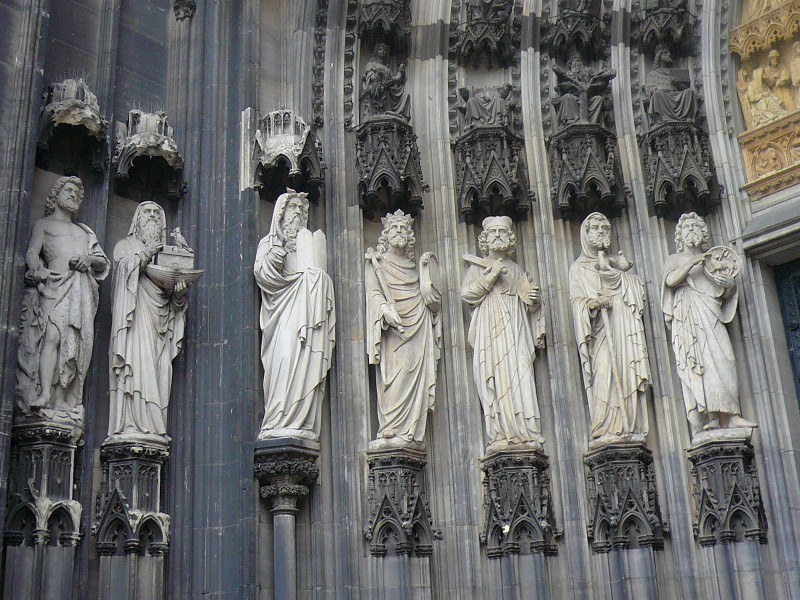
x,y
396,216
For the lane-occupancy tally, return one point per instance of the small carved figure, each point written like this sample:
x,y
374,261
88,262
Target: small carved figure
x,y
794,69
383,92
768,161
504,345
147,328
297,323
607,306
180,241
582,92
64,263
759,104
776,77
699,298
487,109
669,97
404,334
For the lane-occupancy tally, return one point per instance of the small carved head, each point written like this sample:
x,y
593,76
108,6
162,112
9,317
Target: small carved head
x,y
498,235
67,193
774,57
691,231
663,57
149,223
596,232
397,233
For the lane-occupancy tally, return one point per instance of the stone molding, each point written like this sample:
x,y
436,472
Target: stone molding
x,y
727,495
397,501
286,469
762,33
623,503
517,504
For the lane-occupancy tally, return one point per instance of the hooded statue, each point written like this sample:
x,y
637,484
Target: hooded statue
x,y
297,327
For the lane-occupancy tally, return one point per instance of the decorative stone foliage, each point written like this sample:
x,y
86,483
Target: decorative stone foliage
x,y
517,504
623,504
727,496
285,469
400,519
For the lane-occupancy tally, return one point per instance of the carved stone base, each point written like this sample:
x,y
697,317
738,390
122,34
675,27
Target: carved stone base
x,y
388,165
129,517
623,503
727,496
399,515
517,504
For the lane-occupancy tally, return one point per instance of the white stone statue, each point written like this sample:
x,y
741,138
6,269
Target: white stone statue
x,y
404,334
64,263
698,298
147,328
504,345
607,306
297,322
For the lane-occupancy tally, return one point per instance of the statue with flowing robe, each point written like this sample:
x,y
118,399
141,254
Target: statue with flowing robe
x,y
382,91
63,263
503,342
699,298
297,324
147,329
404,332
669,95
607,307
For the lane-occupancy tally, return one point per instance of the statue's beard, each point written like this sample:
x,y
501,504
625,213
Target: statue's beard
x,y
498,245
692,239
150,232
290,235
599,241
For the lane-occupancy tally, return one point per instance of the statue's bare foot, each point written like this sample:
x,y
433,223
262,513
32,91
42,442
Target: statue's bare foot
x,y
737,421
41,401
712,424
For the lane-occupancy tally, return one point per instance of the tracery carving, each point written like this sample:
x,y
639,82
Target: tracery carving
x,y
727,496
772,156
623,504
488,32
763,28
399,519
580,25
517,504
385,19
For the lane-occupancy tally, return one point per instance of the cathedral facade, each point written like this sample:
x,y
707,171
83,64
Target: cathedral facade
x,y
400,299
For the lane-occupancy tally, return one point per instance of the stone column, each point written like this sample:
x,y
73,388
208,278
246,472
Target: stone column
x,y
132,532
285,468
43,525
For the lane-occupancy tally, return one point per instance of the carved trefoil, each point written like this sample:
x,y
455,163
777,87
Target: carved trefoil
x,y
146,156
286,152
400,519
71,126
727,496
388,167
488,32
387,20
517,504
129,515
623,504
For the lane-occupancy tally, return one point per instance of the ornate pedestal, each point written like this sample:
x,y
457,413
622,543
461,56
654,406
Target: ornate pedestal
x,y
132,533
43,521
623,503
285,468
517,504
727,497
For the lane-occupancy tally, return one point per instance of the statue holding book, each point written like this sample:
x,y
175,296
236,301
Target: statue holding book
x,y
297,321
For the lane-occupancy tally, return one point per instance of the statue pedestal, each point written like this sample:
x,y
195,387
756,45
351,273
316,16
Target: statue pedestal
x,y
43,521
727,496
623,503
285,468
132,533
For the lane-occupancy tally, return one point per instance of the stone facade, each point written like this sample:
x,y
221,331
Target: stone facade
x,y
535,114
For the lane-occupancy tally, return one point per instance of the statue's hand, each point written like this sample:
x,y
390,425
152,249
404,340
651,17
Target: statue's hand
x,y
725,281
180,288
80,263
153,248
600,302
392,318
534,295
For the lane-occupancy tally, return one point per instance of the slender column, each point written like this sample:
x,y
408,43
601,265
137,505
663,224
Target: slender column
x,y
285,468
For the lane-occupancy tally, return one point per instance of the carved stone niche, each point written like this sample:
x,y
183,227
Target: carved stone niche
x,y
764,28
678,170
580,25
286,153
623,503
71,127
488,33
727,496
491,175
657,21
388,167
146,157
518,504
129,517
584,168
41,510
400,519
388,21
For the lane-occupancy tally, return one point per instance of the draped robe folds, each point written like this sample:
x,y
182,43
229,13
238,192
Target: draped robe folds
x,y
667,103
697,314
68,301
297,338
147,331
616,407
406,372
381,93
504,349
